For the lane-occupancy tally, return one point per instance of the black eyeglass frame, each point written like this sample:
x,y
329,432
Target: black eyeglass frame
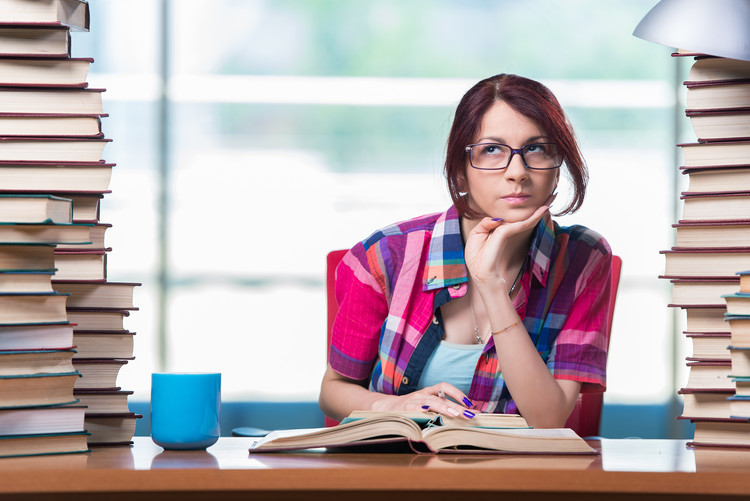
x,y
513,151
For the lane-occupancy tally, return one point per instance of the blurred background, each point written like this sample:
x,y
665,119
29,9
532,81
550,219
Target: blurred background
x,y
253,136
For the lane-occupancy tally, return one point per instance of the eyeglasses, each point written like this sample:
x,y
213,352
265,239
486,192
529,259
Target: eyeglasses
x,y
497,156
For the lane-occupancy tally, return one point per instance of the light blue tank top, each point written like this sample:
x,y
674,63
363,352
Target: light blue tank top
x,y
451,363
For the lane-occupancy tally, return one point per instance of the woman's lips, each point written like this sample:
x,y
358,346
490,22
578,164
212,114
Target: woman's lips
x,y
516,199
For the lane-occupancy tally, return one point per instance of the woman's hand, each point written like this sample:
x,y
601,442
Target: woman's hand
x,y
339,396
486,243
433,398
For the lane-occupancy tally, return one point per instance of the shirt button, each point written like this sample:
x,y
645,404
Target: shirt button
x,y
456,287
405,380
434,320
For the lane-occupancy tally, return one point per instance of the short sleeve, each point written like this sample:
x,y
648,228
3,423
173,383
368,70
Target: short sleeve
x,y
362,311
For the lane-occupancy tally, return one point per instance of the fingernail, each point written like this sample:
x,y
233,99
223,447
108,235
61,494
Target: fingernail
x,y
498,219
467,402
425,407
469,414
452,411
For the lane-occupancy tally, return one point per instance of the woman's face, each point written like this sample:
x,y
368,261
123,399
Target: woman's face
x,y
516,192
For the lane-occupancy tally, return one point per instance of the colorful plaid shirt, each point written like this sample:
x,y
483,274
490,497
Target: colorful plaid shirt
x,y
390,287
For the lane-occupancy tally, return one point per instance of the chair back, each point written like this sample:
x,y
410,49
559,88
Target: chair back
x,y
587,413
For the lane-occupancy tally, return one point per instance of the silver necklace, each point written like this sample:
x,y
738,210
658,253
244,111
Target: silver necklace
x,y
474,317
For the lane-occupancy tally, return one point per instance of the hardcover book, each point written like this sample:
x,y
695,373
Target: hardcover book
x,y
35,41
44,72
422,433
43,443
20,208
71,13
91,177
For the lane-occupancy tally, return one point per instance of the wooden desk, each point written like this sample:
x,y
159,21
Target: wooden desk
x,y
663,469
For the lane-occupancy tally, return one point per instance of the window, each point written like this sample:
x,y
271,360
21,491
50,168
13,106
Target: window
x,y
288,119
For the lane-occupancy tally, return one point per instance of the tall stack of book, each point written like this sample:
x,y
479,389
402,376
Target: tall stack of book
x,y
51,146
37,375
713,236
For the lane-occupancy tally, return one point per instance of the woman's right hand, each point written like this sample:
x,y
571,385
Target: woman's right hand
x,y
433,398
339,396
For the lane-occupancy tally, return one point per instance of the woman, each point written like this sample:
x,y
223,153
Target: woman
x,y
489,306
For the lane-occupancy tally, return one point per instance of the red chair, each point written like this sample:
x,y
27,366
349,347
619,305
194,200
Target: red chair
x,y
587,413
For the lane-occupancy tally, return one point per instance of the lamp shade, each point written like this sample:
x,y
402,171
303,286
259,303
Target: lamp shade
x,y
715,27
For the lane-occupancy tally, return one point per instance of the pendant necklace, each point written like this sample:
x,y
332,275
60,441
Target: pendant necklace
x,y
471,305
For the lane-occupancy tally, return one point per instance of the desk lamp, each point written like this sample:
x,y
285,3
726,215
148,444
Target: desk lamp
x,y
716,27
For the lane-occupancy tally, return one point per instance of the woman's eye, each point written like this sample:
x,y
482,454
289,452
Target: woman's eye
x,y
492,150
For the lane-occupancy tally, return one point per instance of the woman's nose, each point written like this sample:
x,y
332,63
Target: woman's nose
x,y
516,168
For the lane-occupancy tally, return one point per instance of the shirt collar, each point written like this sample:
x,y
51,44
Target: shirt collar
x,y
445,257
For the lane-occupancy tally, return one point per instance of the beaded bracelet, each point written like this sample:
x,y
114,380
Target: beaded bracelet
x,y
509,327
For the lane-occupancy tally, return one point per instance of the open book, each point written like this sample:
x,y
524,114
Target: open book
x,y
426,432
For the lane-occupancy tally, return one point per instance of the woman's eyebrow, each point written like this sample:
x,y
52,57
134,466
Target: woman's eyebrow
x,y
533,139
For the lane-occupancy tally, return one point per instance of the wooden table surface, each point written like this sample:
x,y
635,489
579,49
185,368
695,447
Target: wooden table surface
x,y
663,469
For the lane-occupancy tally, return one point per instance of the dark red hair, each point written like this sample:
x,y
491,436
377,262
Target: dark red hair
x,y
531,99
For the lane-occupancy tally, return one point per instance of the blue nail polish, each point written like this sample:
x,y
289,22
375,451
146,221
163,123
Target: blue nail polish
x,y
425,407
469,414
498,219
467,402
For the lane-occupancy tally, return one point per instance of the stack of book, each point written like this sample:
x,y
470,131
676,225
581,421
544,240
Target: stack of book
x,y
51,148
713,236
37,376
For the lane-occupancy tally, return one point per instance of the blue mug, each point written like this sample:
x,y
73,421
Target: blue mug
x,y
185,410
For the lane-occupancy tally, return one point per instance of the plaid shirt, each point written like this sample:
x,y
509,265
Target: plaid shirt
x,y
391,285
